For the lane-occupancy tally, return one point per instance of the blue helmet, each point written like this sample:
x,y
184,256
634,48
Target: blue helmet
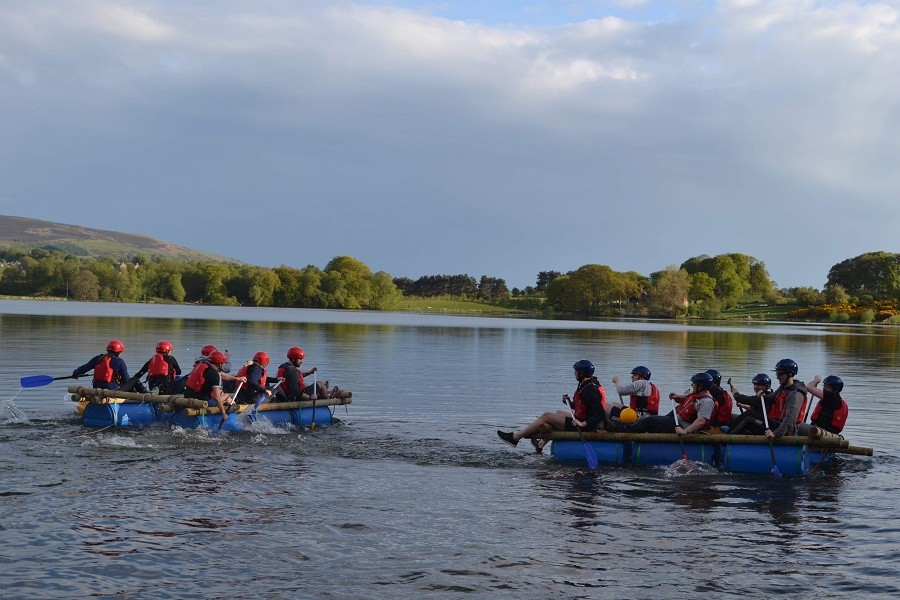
x,y
717,377
585,367
835,382
786,365
642,372
762,379
703,380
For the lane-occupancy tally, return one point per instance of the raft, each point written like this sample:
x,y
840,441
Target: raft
x,y
732,453
108,408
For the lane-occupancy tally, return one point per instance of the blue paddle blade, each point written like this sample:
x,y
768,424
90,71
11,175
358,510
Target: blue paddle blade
x,y
590,456
36,381
776,471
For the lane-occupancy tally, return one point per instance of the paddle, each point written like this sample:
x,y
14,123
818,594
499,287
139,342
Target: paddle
x,y
39,380
315,395
680,441
589,455
234,399
265,397
732,391
775,471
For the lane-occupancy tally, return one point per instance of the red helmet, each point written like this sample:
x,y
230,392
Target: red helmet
x,y
295,353
115,346
262,358
164,346
207,350
217,357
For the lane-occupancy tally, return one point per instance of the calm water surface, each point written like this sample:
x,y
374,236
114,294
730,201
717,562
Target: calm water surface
x,y
413,495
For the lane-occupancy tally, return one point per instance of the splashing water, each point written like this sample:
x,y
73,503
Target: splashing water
x,y
684,467
9,412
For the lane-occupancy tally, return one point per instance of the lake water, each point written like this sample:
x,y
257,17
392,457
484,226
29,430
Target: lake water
x,y
413,495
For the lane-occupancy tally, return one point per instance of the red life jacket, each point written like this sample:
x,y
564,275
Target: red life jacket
x,y
262,380
778,407
580,408
102,370
687,410
722,414
196,379
832,421
649,403
158,366
284,384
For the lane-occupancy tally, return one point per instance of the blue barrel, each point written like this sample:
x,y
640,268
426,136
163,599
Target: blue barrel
x,y
792,461
303,417
207,421
125,414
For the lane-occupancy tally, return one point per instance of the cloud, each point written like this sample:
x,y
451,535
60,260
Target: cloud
x,y
423,144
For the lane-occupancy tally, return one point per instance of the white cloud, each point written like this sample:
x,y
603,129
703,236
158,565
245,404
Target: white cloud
x,y
397,114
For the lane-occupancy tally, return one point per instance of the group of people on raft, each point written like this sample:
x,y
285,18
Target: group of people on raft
x,y
705,407
209,378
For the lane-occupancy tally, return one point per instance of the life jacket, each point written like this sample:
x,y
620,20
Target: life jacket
x,y
102,370
778,407
833,420
724,402
284,384
158,366
579,407
648,404
196,380
242,372
687,409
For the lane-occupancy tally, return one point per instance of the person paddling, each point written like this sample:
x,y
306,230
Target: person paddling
x,y
293,387
162,370
693,413
831,412
205,382
254,373
110,371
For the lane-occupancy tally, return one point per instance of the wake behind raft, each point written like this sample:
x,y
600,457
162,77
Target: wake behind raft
x,y
107,408
795,455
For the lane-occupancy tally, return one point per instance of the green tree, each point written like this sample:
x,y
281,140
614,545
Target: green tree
x,y
669,295
874,274
703,287
86,287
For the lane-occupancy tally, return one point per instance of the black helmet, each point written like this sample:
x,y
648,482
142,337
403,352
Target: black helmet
x,y
762,379
642,372
585,367
786,365
717,377
703,380
835,382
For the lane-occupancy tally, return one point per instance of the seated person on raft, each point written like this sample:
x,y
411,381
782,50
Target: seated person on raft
x,y
205,382
784,407
587,410
644,396
831,412
256,380
293,387
162,370
110,371
694,411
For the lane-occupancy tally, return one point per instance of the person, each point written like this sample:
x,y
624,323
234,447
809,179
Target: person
x,y
110,371
162,370
205,382
831,412
644,395
784,406
724,402
750,421
293,386
694,411
588,410
256,379
208,349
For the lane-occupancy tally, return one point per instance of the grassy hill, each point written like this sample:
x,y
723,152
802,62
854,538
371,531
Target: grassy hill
x,y
19,232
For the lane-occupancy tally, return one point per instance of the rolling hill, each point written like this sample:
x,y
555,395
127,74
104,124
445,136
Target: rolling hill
x,y
27,234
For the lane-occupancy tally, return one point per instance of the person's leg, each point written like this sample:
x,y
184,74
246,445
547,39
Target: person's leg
x,y
546,422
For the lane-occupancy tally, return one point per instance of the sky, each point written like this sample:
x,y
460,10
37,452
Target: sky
x,y
480,137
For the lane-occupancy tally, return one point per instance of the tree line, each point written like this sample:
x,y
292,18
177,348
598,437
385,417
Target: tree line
x,y
701,286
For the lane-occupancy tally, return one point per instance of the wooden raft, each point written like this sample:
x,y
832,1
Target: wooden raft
x,y
193,406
